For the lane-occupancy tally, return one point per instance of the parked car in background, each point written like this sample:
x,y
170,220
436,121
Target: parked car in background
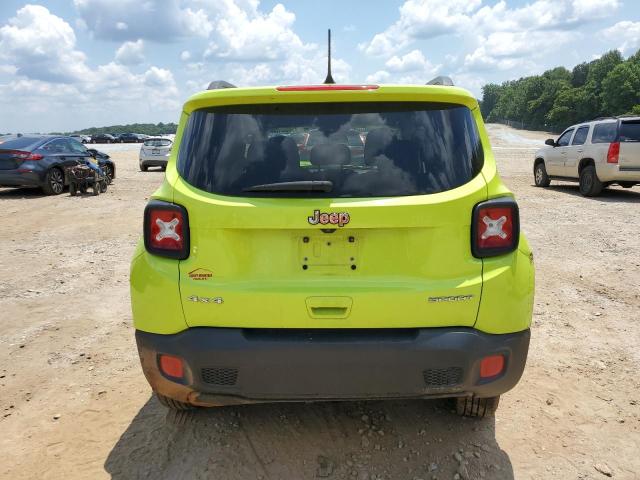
x,y
596,154
130,138
155,152
10,136
81,138
103,138
42,161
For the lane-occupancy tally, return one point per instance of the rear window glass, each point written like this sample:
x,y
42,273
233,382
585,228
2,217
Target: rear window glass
x,y
604,132
18,143
157,142
630,132
410,149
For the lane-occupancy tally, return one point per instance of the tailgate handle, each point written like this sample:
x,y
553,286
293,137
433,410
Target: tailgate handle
x,y
329,307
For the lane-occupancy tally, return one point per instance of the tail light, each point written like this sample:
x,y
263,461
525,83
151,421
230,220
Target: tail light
x,y
166,230
491,366
613,153
24,155
495,227
171,366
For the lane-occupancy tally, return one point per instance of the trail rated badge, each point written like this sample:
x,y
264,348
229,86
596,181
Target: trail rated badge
x,y
200,274
332,218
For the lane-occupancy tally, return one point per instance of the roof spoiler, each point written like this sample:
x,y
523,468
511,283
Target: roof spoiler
x,y
218,84
441,80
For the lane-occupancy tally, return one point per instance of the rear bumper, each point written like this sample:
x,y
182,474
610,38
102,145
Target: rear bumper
x,y
154,160
14,178
611,172
229,366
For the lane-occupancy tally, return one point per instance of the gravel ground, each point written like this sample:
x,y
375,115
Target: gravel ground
x,y
74,403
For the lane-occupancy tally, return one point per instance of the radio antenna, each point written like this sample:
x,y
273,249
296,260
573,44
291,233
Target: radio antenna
x,y
329,78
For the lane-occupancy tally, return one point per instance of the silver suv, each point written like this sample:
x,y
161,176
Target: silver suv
x,y
596,154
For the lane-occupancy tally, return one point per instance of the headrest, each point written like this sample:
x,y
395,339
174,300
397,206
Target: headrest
x,y
376,143
326,154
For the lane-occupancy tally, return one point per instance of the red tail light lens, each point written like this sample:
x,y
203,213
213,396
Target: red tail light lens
x,y
491,366
166,230
24,155
171,366
613,154
495,228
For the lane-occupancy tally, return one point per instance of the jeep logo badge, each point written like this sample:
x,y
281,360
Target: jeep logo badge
x,y
333,218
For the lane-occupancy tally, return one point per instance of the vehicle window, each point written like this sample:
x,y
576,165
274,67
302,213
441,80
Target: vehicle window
x,y
76,147
59,145
563,141
630,131
19,143
581,136
411,149
157,142
354,139
604,132
299,138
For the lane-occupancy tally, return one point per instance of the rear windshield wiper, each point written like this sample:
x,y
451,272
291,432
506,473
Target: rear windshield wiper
x,y
297,186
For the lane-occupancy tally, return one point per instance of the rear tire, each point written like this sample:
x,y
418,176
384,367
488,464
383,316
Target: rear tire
x,y
540,175
173,404
143,168
477,407
590,184
53,182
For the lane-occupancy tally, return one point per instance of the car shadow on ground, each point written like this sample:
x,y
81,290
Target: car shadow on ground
x,y
26,192
608,195
337,440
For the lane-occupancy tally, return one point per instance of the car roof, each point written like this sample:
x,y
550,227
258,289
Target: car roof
x,y
366,93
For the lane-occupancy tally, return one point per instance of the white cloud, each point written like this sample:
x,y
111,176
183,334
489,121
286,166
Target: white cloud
x,y
49,74
626,34
414,60
411,68
508,50
185,55
41,46
131,53
247,34
158,20
420,19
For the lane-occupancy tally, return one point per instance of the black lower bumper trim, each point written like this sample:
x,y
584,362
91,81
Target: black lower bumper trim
x,y
232,365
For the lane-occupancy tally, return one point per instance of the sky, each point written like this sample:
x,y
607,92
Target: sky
x,y
72,64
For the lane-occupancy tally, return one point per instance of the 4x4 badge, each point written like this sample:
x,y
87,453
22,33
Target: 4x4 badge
x,y
333,218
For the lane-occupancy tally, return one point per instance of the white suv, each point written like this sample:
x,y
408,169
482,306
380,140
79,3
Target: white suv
x,y
597,154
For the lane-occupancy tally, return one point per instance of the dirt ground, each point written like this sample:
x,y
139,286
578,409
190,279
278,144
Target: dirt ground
x,y
74,402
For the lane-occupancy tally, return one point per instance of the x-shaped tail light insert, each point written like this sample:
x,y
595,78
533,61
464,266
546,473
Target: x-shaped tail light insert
x,y
167,229
494,227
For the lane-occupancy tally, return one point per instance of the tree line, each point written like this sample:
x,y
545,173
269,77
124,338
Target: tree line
x,y
143,128
607,86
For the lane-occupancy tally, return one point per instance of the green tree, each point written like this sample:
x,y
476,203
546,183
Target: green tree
x,y
621,88
490,96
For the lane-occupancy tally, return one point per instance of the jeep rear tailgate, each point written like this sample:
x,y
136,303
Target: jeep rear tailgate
x,y
403,262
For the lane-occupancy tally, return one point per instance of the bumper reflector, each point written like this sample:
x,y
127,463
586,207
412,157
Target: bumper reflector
x,y
491,366
171,366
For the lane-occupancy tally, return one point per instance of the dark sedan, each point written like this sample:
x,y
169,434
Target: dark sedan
x,y
42,161
129,138
103,138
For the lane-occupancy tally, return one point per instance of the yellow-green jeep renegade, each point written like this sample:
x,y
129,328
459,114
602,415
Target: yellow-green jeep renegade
x,y
332,242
